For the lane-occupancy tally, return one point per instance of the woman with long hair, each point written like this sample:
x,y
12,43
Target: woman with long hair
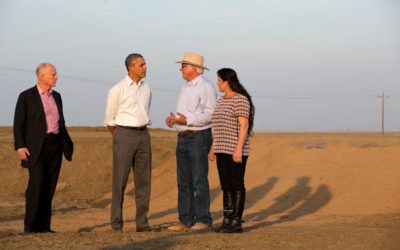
x,y
232,126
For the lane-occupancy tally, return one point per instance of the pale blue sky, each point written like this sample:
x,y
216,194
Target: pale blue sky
x,y
310,65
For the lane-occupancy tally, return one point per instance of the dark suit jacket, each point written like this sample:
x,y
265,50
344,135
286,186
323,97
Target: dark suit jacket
x,y
30,125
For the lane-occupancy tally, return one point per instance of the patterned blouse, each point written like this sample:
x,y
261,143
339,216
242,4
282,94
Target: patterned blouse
x,y
225,124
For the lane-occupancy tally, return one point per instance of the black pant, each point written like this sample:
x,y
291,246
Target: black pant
x,y
231,174
43,177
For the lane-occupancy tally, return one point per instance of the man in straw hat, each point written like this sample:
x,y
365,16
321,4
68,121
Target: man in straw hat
x,y
193,122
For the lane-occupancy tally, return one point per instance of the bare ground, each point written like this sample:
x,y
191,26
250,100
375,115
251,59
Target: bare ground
x,y
304,191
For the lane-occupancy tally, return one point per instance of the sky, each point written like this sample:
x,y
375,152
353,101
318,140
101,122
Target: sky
x,y
309,65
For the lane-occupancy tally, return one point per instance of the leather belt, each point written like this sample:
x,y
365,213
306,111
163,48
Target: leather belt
x,y
133,128
186,132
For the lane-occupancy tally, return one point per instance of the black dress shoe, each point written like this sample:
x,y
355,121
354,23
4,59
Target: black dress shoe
x,y
143,229
26,233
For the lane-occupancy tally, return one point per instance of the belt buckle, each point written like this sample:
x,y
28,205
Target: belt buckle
x,y
141,128
185,133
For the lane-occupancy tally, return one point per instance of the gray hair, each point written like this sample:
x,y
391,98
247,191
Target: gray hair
x,y
41,66
199,70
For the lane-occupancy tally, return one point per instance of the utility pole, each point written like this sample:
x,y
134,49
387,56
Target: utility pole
x,y
383,111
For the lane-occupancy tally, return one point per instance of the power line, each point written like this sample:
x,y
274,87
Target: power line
x,y
275,95
61,75
347,92
82,79
312,97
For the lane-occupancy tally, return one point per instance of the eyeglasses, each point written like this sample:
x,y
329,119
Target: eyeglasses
x,y
185,65
50,74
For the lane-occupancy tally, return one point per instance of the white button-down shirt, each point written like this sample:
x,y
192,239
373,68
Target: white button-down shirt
x,y
197,102
128,104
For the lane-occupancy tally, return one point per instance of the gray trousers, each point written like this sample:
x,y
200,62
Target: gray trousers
x,y
131,150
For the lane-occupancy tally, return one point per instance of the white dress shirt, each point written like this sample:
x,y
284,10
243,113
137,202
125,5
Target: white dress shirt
x,y
128,104
197,102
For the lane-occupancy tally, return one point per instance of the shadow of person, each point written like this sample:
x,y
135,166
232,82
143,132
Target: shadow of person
x,y
213,194
312,204
257,193
161,241
55,211
285,201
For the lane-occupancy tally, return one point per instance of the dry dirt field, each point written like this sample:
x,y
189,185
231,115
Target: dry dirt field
x,y
304,191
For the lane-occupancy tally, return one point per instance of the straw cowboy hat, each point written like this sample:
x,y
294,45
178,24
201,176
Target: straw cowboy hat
x,y
193,59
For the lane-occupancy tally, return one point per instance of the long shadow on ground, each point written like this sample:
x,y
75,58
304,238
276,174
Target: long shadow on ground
x,y
309,205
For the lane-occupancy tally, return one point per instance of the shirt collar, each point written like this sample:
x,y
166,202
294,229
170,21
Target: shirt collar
x,y
195,81
129,81
41,91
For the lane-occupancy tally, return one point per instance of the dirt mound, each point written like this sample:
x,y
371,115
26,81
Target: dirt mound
x,y
303,191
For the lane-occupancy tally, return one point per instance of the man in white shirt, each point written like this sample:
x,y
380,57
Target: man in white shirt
x,y
127,117
193,122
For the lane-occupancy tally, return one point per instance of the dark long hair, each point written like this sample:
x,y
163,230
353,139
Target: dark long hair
x,y
229,75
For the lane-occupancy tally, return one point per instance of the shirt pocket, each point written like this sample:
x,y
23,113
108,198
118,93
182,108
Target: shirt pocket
x,y
194,103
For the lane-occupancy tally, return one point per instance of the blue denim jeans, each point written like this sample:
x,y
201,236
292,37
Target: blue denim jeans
x,y
192,173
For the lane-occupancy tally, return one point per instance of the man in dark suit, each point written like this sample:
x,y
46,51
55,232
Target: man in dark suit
x,y
40,138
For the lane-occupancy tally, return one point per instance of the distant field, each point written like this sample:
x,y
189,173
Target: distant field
x,y
304,190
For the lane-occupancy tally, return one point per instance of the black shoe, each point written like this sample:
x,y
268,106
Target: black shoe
x,y
222,227
143,229
26,232
234,227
